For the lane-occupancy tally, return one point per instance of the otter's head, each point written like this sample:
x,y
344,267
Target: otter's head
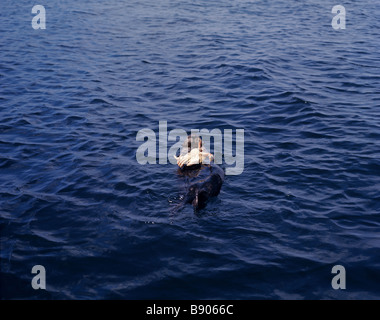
x,y
192,142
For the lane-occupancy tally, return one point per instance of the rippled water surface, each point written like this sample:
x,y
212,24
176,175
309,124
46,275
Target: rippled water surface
x,y
74,199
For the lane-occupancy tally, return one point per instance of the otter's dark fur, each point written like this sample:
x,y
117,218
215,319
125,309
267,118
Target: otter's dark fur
x,y
203,182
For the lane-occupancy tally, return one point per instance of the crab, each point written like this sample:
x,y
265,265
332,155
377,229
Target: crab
x,y
194,157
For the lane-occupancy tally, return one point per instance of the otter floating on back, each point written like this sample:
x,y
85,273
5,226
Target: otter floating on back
x,y
204,179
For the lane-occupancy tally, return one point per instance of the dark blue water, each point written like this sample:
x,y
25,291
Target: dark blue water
x,y
75,200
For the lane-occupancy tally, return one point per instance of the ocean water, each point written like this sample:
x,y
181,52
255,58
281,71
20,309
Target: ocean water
x,y
74,199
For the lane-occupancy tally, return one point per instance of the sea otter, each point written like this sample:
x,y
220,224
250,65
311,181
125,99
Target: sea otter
x,y
203,179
